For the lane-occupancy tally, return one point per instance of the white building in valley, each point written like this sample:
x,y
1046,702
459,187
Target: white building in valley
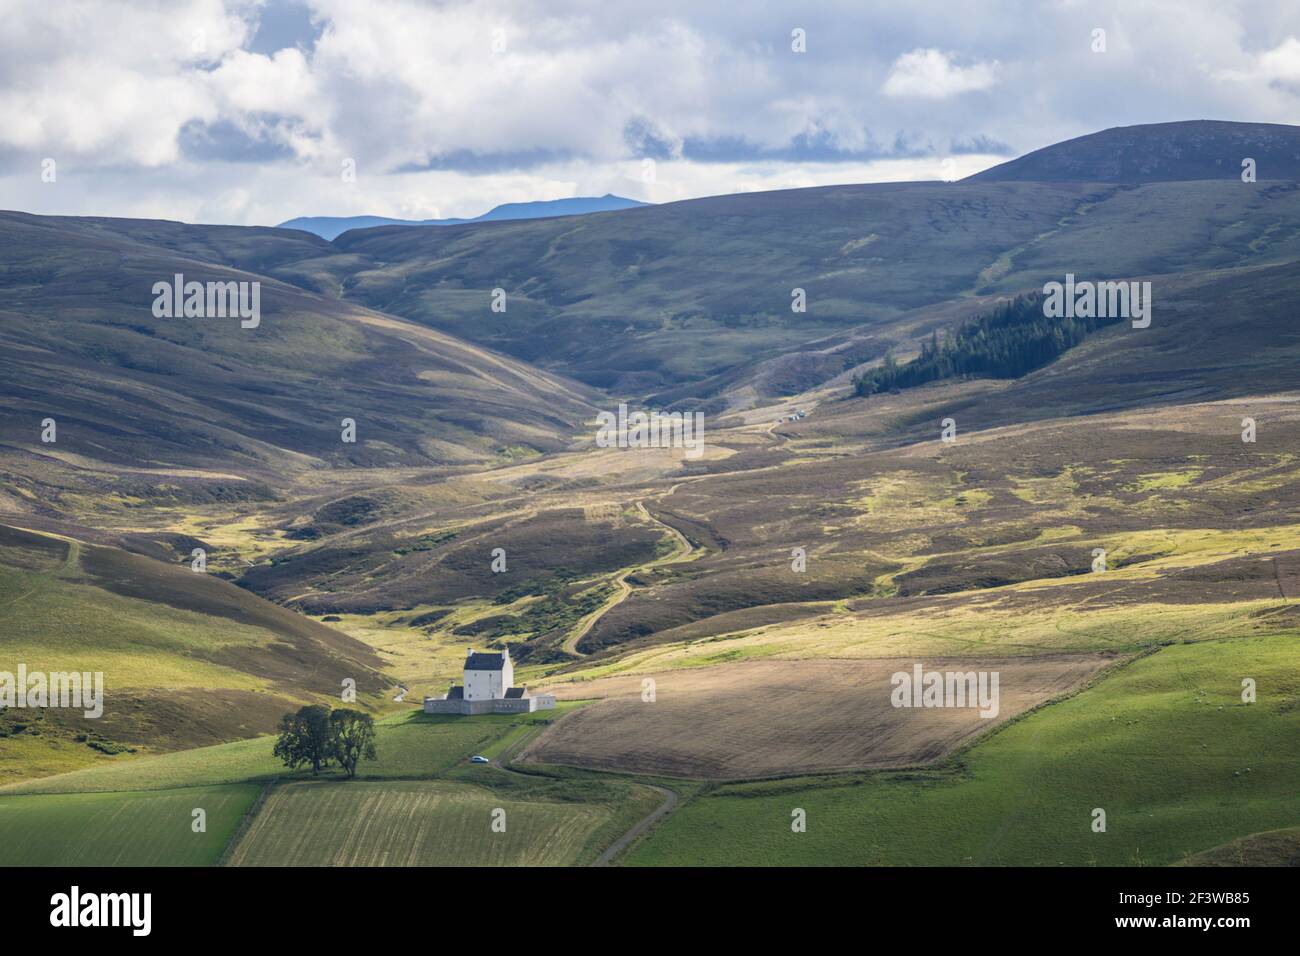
x,y
488,689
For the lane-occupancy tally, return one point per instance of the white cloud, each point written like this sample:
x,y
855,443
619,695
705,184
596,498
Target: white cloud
x,y
253,126
1277,68
931,74
112,81
1283,62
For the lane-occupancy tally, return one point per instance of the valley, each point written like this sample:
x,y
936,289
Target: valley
x,y
722,628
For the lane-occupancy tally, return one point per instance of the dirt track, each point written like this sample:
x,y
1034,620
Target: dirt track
x,y
502,762
682,552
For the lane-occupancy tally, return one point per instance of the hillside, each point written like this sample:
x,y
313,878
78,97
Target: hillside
x,y
143,395
187,659
1214,335
622,300
1159,152
1100,533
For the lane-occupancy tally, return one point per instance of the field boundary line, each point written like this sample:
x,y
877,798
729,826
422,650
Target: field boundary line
x,y
245,824
64,793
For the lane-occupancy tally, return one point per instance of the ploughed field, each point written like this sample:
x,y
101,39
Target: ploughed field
x,y
774,717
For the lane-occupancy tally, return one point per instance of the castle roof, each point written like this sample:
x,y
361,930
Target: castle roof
x,y
514,692
478,661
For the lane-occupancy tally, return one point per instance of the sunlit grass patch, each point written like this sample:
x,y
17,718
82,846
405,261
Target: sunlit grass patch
x,y
1166,480
132,828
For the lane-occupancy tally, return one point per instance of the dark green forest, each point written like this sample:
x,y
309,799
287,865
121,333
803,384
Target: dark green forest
x,y
1012,340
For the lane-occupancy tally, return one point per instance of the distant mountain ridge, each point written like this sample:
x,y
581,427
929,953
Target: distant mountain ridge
x,y
1159,152
329,227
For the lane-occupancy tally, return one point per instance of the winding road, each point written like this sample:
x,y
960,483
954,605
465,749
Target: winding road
x,y
644,824
683,552
502,762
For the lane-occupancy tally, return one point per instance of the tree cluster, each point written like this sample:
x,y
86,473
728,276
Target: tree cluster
x,y
317,737
1012,340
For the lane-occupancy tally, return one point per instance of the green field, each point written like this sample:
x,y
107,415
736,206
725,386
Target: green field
x,y
412,744
134,828
137,811
415,823
1165,746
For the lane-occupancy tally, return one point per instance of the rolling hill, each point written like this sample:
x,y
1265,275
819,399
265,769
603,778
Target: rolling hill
x,y
622,300
140,397
187,659
328,558
1159,152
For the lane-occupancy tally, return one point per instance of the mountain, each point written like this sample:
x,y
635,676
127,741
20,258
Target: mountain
x,y
692,301
329,227
1160,152
229,406
624,300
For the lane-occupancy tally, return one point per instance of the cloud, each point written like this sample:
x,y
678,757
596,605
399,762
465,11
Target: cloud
x,y
824,146
931,74
1282,63
113,82
247,109
1279,68
979,145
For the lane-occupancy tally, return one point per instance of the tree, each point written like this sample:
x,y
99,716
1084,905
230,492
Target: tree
x,y
1015,338
305,738
352,736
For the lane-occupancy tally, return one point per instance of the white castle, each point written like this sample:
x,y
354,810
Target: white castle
x,y
487,689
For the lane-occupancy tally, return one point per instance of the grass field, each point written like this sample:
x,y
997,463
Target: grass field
x,y
45,614
412,744
414,823
1011,621
1165,746
336,560
137,811
133,828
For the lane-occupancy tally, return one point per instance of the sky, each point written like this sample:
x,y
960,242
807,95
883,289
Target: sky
x,y
251,113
